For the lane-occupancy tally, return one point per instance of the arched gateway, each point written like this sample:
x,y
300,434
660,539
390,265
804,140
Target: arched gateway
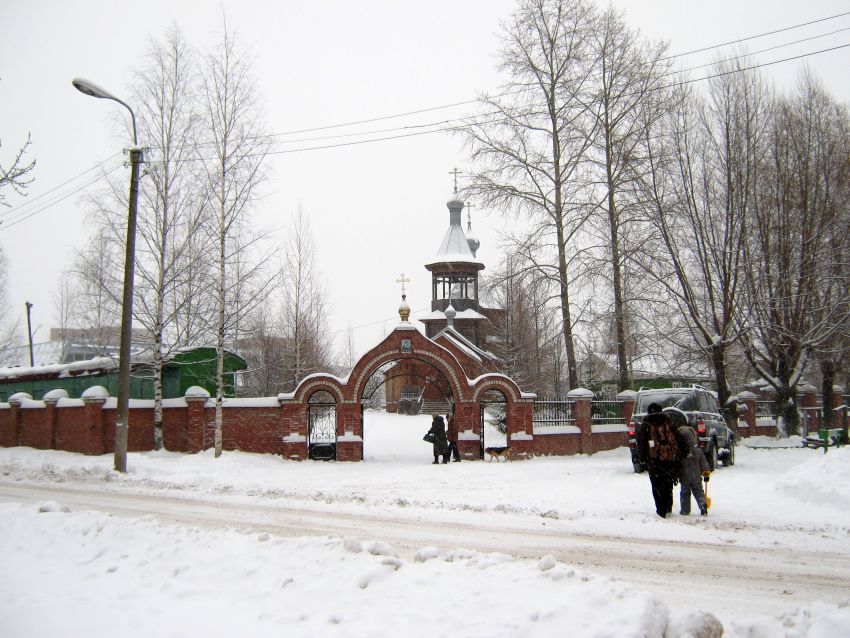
x,y
407,344
448,367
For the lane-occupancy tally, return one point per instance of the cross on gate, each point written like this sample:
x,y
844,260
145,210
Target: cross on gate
x,y
403,280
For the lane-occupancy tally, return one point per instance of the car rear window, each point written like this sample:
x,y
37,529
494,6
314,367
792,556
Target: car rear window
x,y
682,400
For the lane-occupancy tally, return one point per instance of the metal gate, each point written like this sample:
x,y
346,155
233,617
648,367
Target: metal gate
x,y
321,430
495,413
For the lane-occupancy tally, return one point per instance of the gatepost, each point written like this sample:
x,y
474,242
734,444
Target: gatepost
x,y
196,407
582,411
95,443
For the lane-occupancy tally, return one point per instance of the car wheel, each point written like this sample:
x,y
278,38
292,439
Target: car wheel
x,y
712,456
730,455
638,468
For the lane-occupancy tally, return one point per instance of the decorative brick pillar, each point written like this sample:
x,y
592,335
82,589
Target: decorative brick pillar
x,y
809,403
50,400
17,420
521,434
627,407
581,414
349,432
293,440
747,420
94,441
468,420
196,404
837,412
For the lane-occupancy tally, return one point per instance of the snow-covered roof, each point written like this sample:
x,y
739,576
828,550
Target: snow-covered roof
x,y
59,369
454,248
465,344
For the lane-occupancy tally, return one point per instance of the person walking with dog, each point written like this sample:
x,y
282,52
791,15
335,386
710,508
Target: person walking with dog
x,y
662,450
441,444
452,436
695,469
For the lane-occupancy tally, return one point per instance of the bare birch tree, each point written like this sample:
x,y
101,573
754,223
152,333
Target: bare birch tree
x,y
170,267
233,152
305,304
97,306
8,327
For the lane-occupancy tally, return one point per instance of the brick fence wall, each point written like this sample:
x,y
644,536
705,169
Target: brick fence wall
x,y
277,425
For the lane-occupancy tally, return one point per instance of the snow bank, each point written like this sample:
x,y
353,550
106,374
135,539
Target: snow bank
x,y
136,577
822,479
771,442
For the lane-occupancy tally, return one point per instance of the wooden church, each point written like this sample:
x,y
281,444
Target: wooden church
x,y
458,321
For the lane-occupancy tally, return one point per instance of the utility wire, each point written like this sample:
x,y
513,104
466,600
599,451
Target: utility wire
x,y
18,217
752,54
443,125
759,35
31,202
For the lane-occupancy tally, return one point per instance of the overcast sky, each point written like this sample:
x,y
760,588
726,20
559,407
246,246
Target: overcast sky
x,y
377,209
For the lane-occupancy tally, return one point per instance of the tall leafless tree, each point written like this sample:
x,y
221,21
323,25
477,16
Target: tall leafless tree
x,y
625,102
529,146
527,332
704,168
170,267
233,152
796,304
8,327
305,304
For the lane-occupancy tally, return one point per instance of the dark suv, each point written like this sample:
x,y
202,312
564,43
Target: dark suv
x,y
694,406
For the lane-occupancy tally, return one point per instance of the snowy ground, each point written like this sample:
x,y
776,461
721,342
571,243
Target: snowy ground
x,y
257,546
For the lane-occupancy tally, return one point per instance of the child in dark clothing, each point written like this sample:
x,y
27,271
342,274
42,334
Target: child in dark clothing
x,y
694,468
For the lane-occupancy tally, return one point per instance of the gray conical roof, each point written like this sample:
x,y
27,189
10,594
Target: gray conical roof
x,y
454,247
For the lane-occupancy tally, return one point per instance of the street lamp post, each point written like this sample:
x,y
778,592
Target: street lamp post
x,y
29,332
122,420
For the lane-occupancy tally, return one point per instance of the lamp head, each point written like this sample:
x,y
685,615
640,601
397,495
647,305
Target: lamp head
x,y
92,89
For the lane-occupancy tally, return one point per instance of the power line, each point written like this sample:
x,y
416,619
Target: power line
x,y
759,52
434,127
31,202
759,35
25,215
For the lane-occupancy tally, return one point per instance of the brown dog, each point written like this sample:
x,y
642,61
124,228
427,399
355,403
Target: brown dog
x,y
498,453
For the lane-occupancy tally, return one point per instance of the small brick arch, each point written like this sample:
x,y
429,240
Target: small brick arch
x,y
318,383
499,382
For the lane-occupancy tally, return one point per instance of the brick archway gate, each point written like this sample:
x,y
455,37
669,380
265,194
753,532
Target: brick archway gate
x,y
405,342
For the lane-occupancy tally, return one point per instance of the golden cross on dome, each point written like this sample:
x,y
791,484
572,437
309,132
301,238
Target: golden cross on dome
x,y
403,280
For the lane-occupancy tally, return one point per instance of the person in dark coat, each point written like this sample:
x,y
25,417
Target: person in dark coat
x,y
694,468
441,444
452,436
662,450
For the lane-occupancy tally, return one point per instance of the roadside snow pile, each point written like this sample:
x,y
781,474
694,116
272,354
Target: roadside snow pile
x,y
89,574
822,479
760,442
817,620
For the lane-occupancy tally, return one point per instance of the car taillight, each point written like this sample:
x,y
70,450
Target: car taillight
x,y
631,429
701,426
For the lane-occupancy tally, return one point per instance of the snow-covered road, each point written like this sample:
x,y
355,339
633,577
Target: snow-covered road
x,y
530,544
730,578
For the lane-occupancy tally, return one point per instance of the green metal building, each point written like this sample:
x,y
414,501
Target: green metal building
x,y
182,370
